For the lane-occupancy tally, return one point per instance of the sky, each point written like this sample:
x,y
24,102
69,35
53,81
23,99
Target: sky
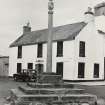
x,y
14,14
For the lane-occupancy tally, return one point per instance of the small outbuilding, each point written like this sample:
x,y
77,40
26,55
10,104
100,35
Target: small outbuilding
x,y
4,66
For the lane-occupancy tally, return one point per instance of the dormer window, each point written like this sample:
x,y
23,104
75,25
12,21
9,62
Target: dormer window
x,y
19,51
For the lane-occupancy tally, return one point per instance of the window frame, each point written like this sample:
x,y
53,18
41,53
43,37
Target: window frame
x,y
19,71
28,65
59,49
81,75
40,50
60,70
82,48
19,52
96,75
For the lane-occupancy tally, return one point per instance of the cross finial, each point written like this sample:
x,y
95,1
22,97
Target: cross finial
x,y
50,5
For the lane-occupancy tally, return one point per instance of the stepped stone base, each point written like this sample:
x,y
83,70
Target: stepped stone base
x,y
49,78
46,92
29,90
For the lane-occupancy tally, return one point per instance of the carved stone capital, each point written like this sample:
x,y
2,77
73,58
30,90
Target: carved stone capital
x,y
50,5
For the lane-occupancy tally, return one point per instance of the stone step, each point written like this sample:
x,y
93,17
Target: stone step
x,y
54,97
29,90
49,78
50,85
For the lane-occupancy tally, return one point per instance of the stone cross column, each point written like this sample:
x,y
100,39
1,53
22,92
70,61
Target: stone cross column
x,y
50,34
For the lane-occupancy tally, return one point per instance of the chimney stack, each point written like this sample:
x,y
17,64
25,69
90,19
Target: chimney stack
x,y
89,15
26,28
100,9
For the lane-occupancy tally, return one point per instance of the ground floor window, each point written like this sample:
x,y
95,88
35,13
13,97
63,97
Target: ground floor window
x,y
19,67
81,69
30,66
39,68
59,68
96,70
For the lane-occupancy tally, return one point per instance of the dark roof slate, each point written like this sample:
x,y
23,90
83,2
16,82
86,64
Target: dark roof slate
x,y
65,32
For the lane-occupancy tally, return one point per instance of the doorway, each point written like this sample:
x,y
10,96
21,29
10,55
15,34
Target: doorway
x,y
81,69
19,67
39,68
59,68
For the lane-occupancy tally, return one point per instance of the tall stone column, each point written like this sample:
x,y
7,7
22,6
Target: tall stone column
x,y
50,34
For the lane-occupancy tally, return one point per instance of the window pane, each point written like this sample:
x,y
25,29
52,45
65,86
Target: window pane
x,y
19,51
30,65
96,70
81,70
59,49
19,67
40,50
82,49
59,68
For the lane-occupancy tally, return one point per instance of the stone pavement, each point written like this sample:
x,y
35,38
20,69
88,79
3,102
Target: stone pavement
x,y
92,83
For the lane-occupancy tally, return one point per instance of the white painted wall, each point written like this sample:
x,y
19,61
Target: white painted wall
x,y
12,61
94,52
29,55
68,59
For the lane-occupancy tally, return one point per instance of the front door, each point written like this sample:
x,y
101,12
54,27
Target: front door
x,y
59,68
39,68
19,67
81,69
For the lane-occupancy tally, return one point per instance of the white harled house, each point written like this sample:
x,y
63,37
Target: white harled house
x,y
78,50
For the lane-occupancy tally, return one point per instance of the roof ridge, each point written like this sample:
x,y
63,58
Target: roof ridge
x,y
58,26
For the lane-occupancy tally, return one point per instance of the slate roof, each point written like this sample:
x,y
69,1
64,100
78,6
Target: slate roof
x,y
65,32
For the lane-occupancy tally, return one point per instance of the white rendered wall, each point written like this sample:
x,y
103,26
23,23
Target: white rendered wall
x,y
12,61
93,50
29,55
67,59
94,54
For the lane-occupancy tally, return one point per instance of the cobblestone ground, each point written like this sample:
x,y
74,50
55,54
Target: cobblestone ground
x,y
5,85
98,90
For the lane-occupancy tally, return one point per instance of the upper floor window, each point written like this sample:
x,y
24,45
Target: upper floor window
x,y
19,51
82,49
59,48
40,50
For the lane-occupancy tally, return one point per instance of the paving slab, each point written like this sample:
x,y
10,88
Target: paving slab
x,y
93,83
